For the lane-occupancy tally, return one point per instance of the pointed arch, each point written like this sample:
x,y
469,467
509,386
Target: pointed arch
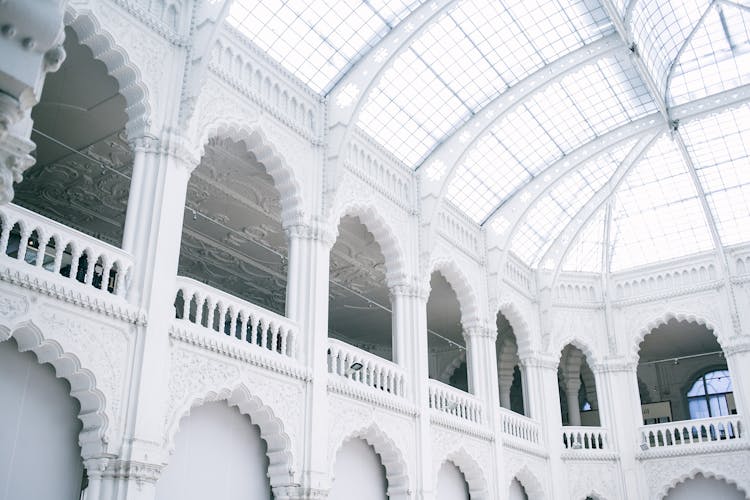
x,y
591,357
279,446
471,470
662,319
704,471
119,66
93,405
529,481
257,143
451,367
396,471
384,233
521,329
467,297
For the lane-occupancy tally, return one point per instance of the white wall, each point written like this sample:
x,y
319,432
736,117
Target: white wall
x,y
451,484
358,473
39,430
219,454
517,492
703,488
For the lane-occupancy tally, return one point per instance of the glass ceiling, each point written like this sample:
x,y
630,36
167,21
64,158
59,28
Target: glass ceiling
x,y
476,50
317,40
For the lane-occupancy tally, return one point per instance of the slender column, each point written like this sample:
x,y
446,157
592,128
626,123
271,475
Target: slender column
x,y
620,414
505,381
482,364
572,386
155,221
31,39
307,304
410,352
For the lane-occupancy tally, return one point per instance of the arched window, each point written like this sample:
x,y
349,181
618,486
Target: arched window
x,y
707,396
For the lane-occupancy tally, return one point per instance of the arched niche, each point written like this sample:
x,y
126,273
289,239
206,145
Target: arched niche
x,y
219,453
445,342
359,306
672,357
700,487
579,402
509,370
358,473
39,429
83,160
232,235
451,484
517,491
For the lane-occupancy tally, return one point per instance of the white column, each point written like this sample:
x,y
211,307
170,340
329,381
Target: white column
x,y
737,353
410,352
154,224
31,36
572,386
307,303
620,414
481,358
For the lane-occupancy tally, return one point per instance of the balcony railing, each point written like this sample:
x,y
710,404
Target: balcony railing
x,y
223,313
365,368
585,438
520,427
690,432
33,240
455,402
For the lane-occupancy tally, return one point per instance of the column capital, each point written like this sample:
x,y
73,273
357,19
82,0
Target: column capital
x,y
409,290
130,470
479,330
614,366
295,492
315,231
14,160
539,360
169,144
736,345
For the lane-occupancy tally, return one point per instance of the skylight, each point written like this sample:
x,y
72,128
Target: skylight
x,y
317,40
550,124
657,214
585,255
549,216
471,55
720,149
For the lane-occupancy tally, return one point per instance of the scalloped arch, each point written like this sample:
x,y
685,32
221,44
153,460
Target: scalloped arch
x,y
467,298
662,492
279,452
471,470
448,371
529,481
104,48
591,356
396,471
93,415
634,349
521,329
382,231
267,154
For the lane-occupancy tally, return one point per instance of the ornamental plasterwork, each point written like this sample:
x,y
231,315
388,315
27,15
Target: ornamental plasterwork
x,y
584,327
529,470
663,474
587,477
477,453
102,349
391,434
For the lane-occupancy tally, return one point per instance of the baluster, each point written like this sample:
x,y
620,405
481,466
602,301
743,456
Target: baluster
x,y
292,344
42,240
106,268
284,334
23,243
59,250
243,325
264,327
233,322
221,325
199,303
211,307
254,325
187,298
90,265
5,236
75,256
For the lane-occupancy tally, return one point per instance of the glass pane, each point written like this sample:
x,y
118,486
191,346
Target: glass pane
x,y
586,253
698,408
718,382
718,406
317,40
698,388
657,215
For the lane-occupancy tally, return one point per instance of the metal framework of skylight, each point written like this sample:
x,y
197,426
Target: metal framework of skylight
x,y
317,40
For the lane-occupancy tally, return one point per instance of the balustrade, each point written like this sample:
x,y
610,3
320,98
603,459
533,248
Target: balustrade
x,y
520,427
362,367
215,310
455,402
34,240
687,432
585,438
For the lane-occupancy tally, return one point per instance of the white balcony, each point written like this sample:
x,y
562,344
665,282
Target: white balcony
x,y
691,432
585,438
519,428
364,368
452,401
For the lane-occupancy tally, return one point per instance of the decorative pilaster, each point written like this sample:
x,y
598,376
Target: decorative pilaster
x,y
307,304
31,43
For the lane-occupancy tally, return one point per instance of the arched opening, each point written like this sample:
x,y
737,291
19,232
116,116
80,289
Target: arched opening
x,y
577,388
358,473
509,371
701,487
232,237
39,429
83,161
445,341
359,306
517,491
219,453
451,484
684,374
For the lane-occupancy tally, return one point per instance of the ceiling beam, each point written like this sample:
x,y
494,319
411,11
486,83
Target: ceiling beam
x,y
568,236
